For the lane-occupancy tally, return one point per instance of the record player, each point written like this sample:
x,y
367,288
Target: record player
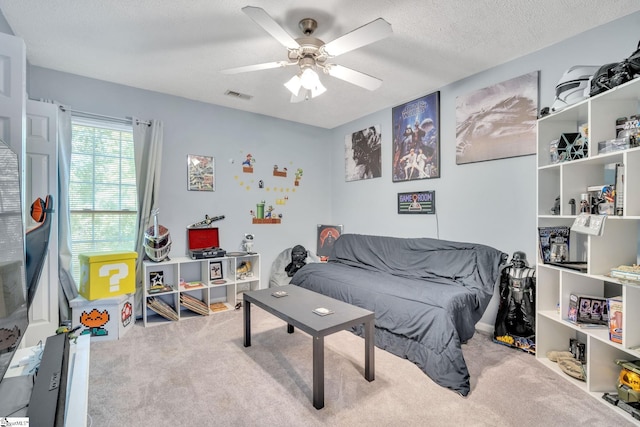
x,y
207,253
204,240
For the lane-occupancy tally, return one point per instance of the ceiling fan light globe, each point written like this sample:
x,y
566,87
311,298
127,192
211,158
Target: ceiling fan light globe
x,y
318,90
294,85
309,79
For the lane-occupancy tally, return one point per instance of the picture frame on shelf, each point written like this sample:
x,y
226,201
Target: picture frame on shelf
x,y
215,270
156,278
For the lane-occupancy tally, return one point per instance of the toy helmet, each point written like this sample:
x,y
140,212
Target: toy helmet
x,y
157,240
571,87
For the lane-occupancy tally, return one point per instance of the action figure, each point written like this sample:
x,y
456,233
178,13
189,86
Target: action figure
x,y
298,260
517,311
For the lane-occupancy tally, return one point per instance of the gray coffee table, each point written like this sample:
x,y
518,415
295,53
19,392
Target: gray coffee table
x,y
297,310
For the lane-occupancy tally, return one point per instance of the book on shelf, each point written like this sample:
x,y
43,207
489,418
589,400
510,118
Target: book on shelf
x,y
162,308
218,306
619,196
553,243
191,285
157,289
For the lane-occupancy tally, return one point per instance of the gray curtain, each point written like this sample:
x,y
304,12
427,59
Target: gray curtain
x,y
68,286
147,138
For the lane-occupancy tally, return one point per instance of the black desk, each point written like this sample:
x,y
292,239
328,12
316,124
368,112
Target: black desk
x,y
297,310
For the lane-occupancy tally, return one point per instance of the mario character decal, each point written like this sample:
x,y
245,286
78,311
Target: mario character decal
x,y
247,164
262,216
296,182
278,172
94,321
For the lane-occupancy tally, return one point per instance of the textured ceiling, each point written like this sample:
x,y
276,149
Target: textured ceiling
x,y
178,47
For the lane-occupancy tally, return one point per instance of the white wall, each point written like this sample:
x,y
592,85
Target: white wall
x,y
197,128
490,202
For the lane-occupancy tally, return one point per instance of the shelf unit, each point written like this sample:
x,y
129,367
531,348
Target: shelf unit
x,y
182,273
617,246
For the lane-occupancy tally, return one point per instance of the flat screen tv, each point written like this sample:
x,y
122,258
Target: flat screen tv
x,y
14,315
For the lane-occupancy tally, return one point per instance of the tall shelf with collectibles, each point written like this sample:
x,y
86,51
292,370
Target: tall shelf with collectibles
x,y
182,288
588,212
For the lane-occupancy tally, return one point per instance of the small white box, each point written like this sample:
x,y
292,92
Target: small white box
x,y
104,319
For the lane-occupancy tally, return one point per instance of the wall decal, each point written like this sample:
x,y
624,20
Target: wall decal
x,y
247,164
265,216
281,173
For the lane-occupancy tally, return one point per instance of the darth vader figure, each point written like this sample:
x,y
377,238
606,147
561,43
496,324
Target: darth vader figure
x,y
517,311
298,257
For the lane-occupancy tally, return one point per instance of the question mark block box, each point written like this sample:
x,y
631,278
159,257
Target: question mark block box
x,y
107,274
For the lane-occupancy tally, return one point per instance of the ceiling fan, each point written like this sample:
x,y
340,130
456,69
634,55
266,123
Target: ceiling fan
x,y
311,54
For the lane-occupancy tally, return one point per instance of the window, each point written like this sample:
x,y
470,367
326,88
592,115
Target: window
x,y
102,189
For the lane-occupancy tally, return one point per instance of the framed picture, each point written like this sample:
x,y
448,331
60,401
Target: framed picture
x,y
416,139
417,202
498,121
200,171
156,278
215,270
327,236
363,154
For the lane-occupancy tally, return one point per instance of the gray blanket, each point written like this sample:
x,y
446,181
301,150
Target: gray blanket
x,y
427,295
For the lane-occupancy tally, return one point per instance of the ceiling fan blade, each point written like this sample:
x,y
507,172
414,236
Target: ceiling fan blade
x,y
354,77
257,67
368,33
263,19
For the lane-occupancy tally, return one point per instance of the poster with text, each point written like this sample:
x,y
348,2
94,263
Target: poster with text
x,y
416,139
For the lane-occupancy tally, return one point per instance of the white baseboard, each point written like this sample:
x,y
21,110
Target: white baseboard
x,y
485,327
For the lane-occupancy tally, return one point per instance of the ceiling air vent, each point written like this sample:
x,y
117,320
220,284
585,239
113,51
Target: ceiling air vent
x,y
234,94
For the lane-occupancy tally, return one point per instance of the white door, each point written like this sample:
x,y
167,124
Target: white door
x,y
13,66
41,170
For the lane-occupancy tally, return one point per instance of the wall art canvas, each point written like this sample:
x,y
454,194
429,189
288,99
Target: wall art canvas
x,y
363,154
200,171
327,236
498,121
416,139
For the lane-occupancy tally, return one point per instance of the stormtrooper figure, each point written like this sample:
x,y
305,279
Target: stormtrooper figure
x,y
247,243
517,311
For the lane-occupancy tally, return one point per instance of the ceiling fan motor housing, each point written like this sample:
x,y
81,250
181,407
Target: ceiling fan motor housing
x,y
308,26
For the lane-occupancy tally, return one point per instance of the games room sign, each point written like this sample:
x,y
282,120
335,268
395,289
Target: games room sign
x,y
420,202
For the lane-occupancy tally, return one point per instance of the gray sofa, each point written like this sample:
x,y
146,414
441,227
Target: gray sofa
x,y
427,295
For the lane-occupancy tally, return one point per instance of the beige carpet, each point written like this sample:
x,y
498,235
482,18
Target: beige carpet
x,y
196,372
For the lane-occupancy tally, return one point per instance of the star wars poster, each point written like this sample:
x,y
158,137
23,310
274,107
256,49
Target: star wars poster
x,y
416,139
327,236
362,154
498,121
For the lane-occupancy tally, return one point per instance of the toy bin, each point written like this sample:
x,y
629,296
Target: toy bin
x,y
107,274
104,319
